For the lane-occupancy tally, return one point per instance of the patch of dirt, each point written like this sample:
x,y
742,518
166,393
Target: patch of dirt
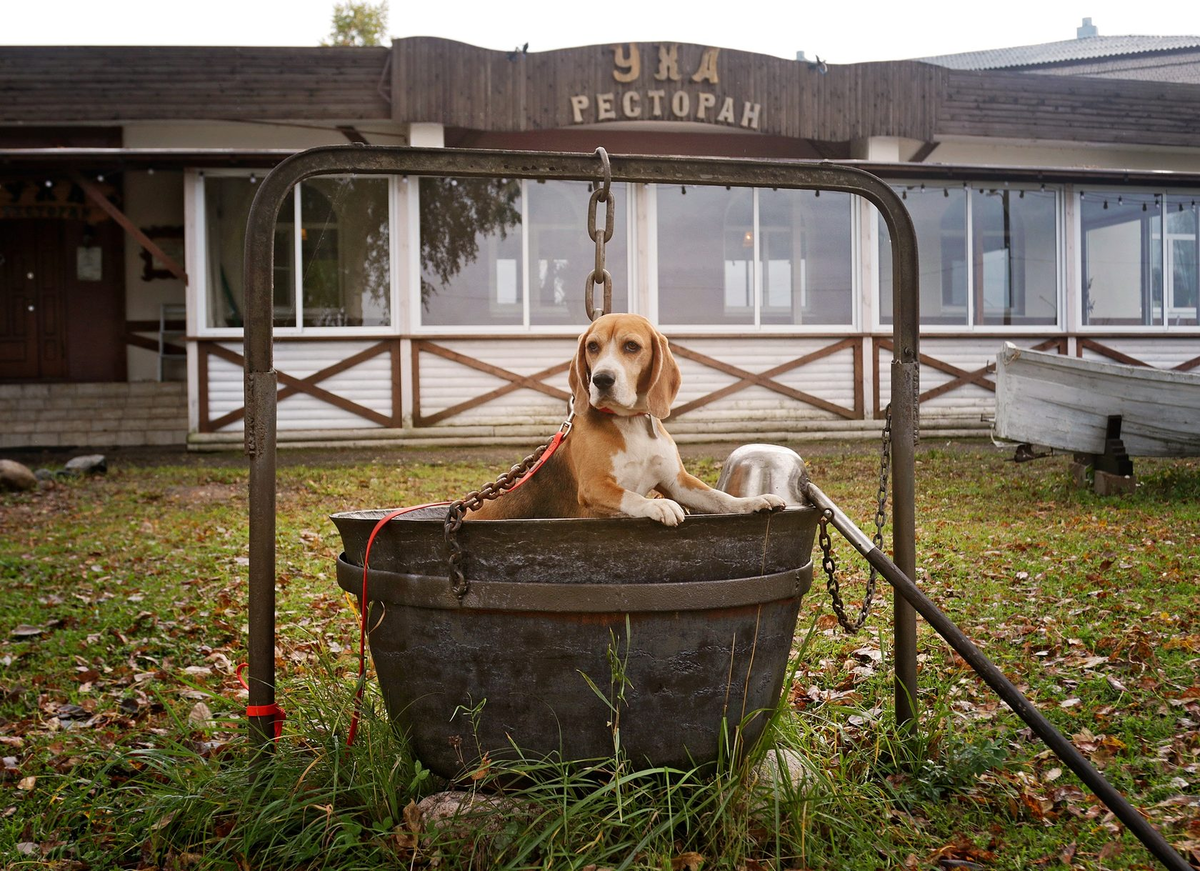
x,y
206,494
144,457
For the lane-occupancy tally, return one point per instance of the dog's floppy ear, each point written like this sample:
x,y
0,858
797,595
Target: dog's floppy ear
x,y
579,377
664,378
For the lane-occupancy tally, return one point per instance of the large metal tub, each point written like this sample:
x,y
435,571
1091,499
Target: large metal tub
x,y
700,619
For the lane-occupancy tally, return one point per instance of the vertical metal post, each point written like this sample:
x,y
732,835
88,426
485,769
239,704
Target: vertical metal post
x,y
905,390
261,403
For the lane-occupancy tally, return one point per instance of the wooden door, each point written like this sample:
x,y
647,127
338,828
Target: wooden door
x,y
32,318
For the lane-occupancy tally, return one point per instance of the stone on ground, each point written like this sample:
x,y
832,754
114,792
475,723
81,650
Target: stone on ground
x,y
15,476
88,464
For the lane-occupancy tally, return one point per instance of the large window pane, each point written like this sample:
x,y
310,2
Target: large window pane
x,y
226,207
1015,240
705,255
940,217
561,255
471,252
1183,255
1003,272
805,257
344,252
1122,258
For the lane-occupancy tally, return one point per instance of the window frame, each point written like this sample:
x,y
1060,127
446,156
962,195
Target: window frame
x,y
757,326
415,311
1153,329
970,326
297,329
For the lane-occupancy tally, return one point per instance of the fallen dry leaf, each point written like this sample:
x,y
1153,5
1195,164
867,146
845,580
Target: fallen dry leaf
x,y
199,717
961,853
412,817
687,862
485,765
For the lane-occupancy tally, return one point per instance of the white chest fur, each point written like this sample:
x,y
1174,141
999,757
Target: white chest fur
x,y
646,460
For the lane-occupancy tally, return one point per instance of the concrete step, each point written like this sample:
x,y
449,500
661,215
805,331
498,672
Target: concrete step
x,y
93,414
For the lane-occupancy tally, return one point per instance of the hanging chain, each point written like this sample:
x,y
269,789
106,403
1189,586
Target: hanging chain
x,y
829,564
459,508
599,274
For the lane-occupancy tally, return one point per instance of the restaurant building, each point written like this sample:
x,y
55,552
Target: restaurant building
x,y
1054,190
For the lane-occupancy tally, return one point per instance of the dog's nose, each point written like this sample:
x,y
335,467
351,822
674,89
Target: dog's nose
x,y
603,380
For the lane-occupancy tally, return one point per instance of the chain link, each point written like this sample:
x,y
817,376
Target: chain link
x,y
459,508
599,274
829,563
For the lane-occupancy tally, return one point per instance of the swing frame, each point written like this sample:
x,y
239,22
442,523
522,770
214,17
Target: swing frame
x,y
261,383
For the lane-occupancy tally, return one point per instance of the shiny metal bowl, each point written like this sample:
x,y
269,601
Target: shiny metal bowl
x,y
752,470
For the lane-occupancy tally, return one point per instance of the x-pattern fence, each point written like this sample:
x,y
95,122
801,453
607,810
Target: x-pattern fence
x,y
536,381
310,385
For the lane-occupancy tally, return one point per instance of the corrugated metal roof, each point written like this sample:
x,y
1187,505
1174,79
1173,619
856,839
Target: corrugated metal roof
x,y
1058,52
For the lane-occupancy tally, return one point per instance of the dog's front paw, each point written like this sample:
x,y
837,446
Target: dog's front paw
x,y
765,502
666,511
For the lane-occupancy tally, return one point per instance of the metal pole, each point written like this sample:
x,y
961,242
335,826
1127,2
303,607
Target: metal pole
x,y
904,434
261,404
1063,749
906,370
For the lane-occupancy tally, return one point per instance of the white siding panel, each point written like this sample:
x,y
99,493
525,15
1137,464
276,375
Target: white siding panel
x,y
446,383
698,380
968,401
226,390
830,378
759,403
1156,351
368,384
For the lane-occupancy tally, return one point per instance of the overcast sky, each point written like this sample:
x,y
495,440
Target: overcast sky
x,y
838,32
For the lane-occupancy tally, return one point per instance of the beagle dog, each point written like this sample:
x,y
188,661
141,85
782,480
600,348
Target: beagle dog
x,y
623,380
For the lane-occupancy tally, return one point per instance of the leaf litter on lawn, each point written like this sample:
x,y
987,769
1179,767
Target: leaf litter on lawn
x,y
124,618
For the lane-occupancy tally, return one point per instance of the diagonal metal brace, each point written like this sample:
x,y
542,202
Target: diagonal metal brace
x,y
993,677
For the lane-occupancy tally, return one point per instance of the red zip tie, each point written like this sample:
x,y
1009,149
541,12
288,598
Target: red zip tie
x,y
271,710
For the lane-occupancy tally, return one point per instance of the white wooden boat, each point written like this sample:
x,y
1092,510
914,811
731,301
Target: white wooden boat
x,y
1064,403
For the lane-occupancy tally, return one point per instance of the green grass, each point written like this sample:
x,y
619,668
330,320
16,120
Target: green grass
x,y
122,610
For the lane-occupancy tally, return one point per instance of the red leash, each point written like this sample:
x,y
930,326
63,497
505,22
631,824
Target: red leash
x,y
362,621
273,709
551,447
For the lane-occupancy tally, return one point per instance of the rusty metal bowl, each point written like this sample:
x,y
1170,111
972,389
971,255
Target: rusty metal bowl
x,y
699,618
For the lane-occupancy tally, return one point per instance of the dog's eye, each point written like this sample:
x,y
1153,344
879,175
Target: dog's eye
x,y
632,347
593,347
